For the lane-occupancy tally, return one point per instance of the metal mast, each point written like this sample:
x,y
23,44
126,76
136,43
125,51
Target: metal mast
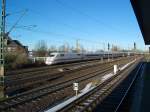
x,y
77,46
2,39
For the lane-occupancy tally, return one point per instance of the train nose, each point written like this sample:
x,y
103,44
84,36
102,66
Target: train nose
x,y
49,61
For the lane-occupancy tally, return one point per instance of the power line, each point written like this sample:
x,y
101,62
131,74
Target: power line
x,y
90,17
22,26
17,12
66,25
58,34
62,24
17,21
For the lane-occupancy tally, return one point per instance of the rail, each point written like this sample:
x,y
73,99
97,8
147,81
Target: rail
x,y
78,99
21,99
133,80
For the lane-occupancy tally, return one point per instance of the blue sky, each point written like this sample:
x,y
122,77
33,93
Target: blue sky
x,y
93,22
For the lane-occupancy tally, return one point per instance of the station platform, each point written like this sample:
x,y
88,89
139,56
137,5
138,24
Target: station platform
x,y
146,90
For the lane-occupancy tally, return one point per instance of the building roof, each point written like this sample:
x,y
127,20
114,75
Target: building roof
x,y
141,9
10,42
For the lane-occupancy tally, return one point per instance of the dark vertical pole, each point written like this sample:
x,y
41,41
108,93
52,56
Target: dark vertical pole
x,y
134,46
2,34
108,50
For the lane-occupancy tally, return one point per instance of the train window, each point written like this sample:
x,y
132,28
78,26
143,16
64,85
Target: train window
x,y
51,55
61,54
79,54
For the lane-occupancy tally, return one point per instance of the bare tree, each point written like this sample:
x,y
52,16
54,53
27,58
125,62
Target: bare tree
x,y
41,48
52,49
114,48
61,48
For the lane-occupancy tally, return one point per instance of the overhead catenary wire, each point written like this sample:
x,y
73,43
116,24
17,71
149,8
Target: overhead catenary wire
x,y
62,24
108,26
70,27
23,14
58,34
28,28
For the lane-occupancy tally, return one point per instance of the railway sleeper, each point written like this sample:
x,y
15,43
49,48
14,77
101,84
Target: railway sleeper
x,y
55,98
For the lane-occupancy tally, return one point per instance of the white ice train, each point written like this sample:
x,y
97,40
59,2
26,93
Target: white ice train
x,y
56,57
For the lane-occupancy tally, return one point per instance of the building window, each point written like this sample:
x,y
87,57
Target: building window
x,y
9,49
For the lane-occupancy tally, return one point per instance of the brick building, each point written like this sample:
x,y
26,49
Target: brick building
x,y
15,46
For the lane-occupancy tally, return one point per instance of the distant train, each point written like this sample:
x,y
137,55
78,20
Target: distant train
x,y
55,58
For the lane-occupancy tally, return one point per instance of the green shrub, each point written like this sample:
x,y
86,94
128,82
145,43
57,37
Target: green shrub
x,y
15,60
20,61
9,60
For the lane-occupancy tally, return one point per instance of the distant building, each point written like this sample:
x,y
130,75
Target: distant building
x,y
34,53
15,46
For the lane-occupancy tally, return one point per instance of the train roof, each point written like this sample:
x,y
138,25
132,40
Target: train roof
x,y
107,52
64,53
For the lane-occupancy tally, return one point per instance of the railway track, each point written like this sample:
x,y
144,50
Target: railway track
x,y
12,85
103,98
63,65
23,73
30,77
119,94
52,93
26,72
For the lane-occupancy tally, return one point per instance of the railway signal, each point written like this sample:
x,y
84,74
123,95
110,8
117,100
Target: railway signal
x,y
108,46
76,88
134,46
115,69
108,50
77,46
